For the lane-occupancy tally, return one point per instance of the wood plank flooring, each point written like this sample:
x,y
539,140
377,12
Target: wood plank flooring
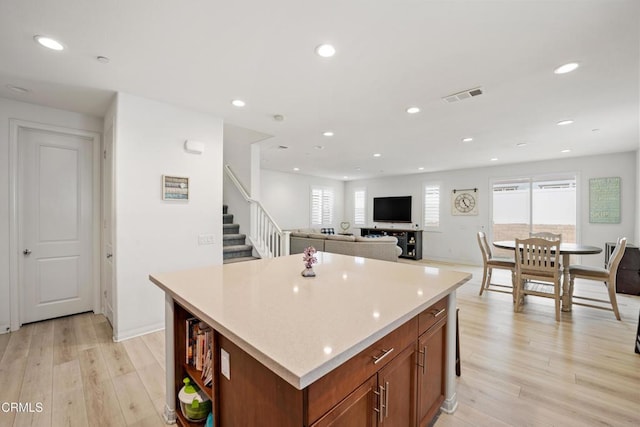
x,y
518,369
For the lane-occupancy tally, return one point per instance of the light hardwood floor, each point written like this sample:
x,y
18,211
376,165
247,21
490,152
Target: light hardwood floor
x,y
518,369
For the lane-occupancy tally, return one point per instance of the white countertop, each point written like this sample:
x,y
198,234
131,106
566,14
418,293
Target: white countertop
x,y
302,328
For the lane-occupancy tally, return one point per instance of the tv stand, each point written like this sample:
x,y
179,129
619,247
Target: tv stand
x,y
410,241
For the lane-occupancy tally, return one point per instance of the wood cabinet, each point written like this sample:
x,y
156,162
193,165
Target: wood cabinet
x,y
387,384
628,277
430,379
410,241
385,399
430,376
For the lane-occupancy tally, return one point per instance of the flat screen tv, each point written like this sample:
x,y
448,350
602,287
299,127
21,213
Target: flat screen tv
x,y
392,209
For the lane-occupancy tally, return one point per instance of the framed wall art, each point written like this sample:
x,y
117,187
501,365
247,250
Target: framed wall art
x,y
175,188
604,200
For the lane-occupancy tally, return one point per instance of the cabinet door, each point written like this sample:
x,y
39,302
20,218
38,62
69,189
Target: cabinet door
x,y
396,383
357,410
430,378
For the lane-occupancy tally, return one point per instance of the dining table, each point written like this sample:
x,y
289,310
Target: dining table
x,y
566,250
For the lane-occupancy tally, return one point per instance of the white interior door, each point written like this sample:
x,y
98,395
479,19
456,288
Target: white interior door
x,y
107,227
55,214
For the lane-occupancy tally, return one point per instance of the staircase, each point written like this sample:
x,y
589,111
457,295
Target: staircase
x,y
234,246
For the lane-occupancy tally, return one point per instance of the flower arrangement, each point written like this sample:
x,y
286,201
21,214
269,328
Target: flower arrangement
x,y
308,257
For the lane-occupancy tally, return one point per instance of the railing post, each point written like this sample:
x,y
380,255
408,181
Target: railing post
x,y
286,243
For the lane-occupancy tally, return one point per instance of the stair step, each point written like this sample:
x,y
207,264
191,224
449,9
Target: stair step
x,y
233,239
230,228
239,259
227,218
236,251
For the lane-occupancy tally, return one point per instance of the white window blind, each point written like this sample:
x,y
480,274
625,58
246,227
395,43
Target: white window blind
x,y
432,206
359,197
321,206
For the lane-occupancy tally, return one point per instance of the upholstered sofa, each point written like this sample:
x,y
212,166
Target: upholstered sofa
x,y
384,248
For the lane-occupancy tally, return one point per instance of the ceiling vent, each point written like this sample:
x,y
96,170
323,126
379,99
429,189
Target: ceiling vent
x,y
465,94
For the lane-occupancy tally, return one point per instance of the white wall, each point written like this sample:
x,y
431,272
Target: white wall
x,y
153,235
456,242
10,109
286,197
237,154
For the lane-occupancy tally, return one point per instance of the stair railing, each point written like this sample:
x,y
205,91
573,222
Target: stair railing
x,y
265,235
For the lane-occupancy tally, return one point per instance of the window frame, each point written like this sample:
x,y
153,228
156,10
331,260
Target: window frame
x,y
331,208
364,206
425,224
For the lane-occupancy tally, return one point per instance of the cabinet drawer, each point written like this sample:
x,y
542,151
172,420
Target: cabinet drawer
x,y
431,315
332,388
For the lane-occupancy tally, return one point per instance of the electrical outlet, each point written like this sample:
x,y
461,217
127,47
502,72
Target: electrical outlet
x,y
206,239
225,365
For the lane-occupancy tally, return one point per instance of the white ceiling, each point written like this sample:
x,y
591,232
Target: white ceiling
x,y
391,54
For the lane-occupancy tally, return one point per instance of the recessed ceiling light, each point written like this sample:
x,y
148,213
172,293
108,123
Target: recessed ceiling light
x,y
413,110
493,159
420,168
327,133
48,42
238,103
566,68
521,144
565,151
103,59
319,147
278,117
377,155
345,177
564,122
467,139
326,50
18,89
296,169
595,130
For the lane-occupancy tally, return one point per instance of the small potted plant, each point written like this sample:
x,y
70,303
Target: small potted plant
x,y
309,259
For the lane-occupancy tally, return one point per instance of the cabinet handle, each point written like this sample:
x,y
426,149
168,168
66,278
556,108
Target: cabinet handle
x,y
438,313
386,399
420,358
380,404
424,359
385,353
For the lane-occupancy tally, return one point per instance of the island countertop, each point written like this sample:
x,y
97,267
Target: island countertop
x,y
302,328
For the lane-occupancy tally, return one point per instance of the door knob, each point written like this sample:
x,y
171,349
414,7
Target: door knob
x,y
26,252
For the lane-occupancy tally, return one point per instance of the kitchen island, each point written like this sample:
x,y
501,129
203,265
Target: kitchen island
x,y
329,350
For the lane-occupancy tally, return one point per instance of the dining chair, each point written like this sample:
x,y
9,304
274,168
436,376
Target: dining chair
x,y
606,275
546,235
490,262
537,262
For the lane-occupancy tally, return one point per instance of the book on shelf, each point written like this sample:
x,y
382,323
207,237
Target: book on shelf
x,y
199,348
190,338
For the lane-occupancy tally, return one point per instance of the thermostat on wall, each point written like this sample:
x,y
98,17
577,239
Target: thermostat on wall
x,y
194,147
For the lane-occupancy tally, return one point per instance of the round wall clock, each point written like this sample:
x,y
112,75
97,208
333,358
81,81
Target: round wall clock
x,y
464,203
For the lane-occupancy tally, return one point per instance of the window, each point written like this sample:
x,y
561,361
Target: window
x,y
535,204
359,201
432,205
321,206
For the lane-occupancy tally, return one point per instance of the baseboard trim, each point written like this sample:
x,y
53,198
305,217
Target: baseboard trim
x,y
133,333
